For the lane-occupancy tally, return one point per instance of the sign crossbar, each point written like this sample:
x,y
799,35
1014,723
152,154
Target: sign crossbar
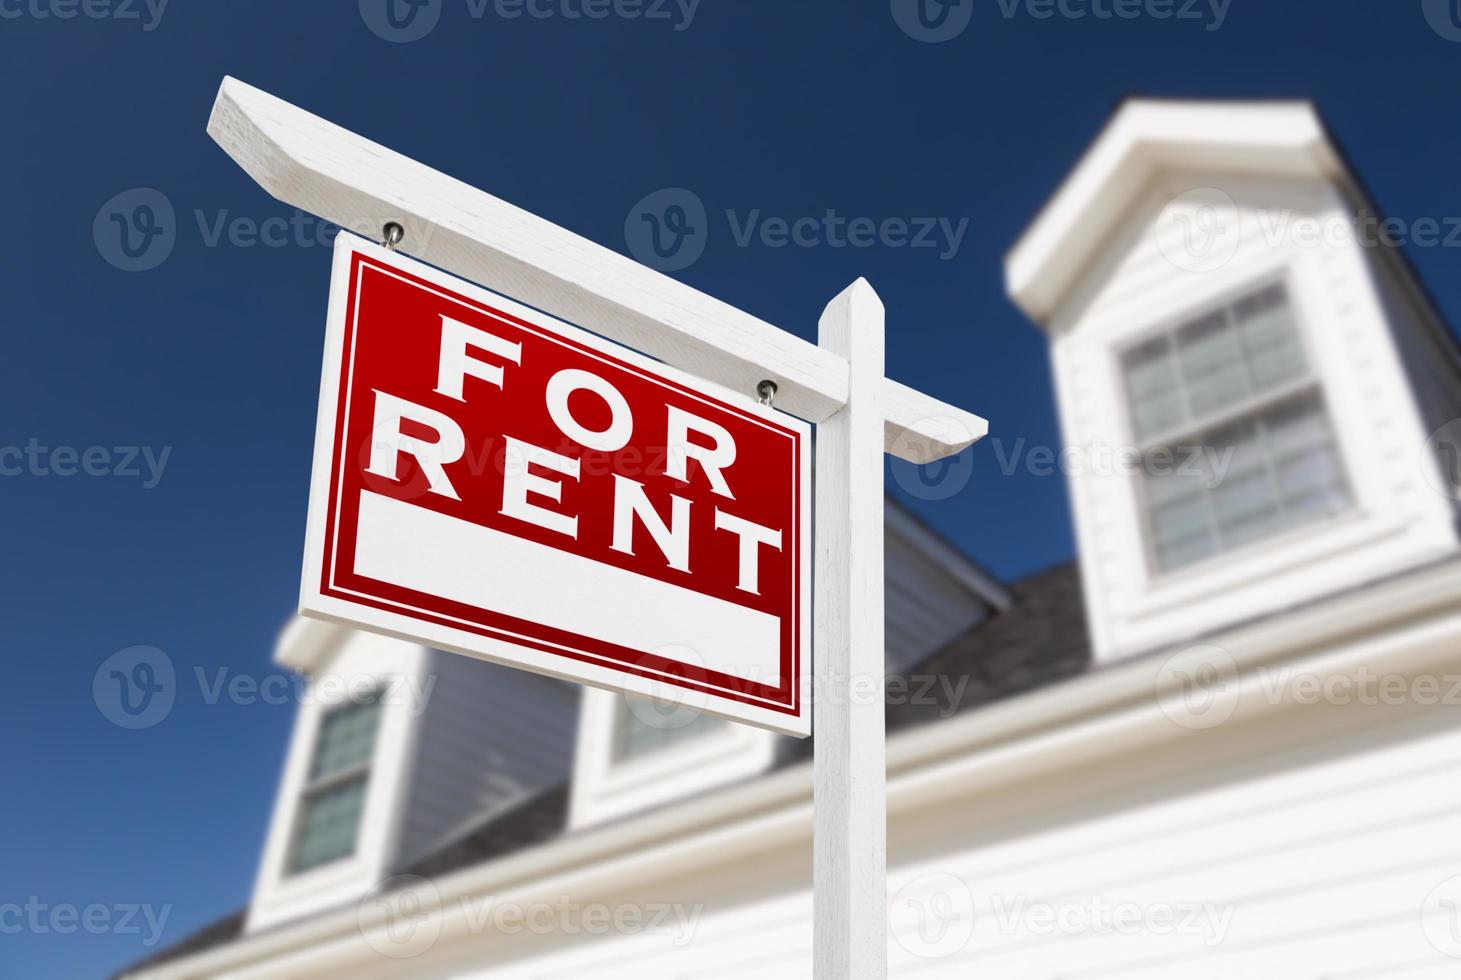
x,y
319,167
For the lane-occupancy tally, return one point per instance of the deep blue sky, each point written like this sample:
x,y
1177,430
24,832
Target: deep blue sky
x,y
787,106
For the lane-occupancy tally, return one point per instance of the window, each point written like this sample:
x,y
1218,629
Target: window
x,y
334,794
644,726
636,753
1233,429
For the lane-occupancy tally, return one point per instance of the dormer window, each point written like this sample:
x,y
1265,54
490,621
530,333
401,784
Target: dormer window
x,y
334,795
384,725
637,753
1230,419
645,726
1285,404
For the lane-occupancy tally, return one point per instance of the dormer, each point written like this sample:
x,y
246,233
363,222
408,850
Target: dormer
x,y
1247,371
397,749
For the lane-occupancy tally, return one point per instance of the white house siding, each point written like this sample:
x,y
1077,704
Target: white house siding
x,y
1319,832
1311,836
490,737
1135,285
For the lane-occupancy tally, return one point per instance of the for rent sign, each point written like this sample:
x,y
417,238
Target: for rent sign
x,y
499,483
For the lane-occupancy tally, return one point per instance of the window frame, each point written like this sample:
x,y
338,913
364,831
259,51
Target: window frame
x,y
606,788
1189,432
619,759
312,787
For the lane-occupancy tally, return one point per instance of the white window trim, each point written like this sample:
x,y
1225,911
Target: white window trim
x,y
1302,540
315,786
1161,594
604,789
1172,322
281,894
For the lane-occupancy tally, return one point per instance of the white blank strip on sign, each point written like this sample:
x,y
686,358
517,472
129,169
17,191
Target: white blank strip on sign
x,y
420,549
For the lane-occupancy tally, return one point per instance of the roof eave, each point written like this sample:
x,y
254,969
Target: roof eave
x,y
1144,138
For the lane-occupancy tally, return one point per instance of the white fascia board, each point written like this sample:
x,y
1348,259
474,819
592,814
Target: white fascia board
x,y
1147,137
319,167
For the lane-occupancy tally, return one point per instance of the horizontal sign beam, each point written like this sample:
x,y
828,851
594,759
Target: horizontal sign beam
x,y
312,164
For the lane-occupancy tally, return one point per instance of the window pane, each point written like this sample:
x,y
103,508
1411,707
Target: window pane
x,y
655,725
346,739
1189,552
1314,475
1246,509
1160,413
1180,522
1212,364
328,822
1298,427
1311,480
1244,500
1176,482
1270,468
1277,469
1152,387
1270,339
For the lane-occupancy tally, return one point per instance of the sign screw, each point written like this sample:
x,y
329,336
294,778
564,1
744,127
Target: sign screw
x,y
392,234
766,392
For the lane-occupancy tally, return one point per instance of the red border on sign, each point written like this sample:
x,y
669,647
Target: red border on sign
x,y
784,698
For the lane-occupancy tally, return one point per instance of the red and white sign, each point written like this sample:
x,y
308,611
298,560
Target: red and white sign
x,y
493,481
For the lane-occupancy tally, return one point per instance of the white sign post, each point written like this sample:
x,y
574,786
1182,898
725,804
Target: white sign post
x,y
849,837
312,164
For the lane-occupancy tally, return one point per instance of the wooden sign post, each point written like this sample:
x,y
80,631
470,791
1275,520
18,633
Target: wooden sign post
x,y
849,836
314,165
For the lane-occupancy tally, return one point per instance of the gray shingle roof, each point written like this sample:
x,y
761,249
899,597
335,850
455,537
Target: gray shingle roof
x,y
216,933
1039,640
533,821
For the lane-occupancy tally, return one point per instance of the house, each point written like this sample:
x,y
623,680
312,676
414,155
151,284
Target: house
x,y
1223,744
